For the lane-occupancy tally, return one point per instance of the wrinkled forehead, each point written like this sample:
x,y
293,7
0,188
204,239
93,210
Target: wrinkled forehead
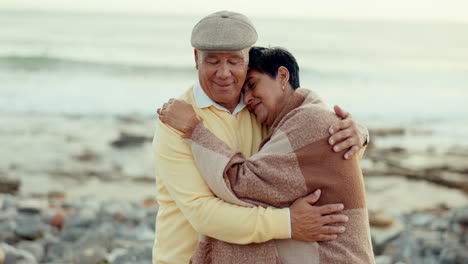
x,y
244,53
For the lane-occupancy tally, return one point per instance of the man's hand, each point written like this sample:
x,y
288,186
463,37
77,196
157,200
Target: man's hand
x,y
310,223
347,134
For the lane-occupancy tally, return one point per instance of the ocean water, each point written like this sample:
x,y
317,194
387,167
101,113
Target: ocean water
x,y
112,64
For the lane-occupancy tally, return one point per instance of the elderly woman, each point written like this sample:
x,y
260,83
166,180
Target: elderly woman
x,y
294,160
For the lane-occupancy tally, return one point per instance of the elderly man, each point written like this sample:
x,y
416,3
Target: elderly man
x,y
187,206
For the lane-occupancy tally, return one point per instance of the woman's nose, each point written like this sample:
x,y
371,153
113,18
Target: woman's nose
x,y
247,97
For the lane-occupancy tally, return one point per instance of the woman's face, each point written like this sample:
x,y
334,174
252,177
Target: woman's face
x,y
263,96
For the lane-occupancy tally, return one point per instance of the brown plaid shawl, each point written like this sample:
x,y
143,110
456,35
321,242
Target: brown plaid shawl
x,y
292,162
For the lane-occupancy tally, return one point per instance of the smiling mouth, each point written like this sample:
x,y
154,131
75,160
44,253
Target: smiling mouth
x,y
223,85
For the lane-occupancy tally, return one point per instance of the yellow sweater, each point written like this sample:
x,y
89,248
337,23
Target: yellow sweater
x,y
187,207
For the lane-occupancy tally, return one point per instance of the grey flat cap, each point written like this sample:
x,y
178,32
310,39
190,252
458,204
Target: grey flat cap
x,y
223,31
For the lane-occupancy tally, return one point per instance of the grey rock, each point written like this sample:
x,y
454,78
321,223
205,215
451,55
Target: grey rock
x,y
7,230
7,201
116,253
16,256
48,240
63,251
141,254
139,233
421,220
382,236
35,248
91,204
83,219
72,234
100,236
30,225
90,255
127,140
383,260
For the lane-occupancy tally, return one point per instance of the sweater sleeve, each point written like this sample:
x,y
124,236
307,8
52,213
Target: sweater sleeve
x,y
270,175
273,175
208,214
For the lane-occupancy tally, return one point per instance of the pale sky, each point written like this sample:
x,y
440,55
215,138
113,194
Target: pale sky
x,y
427,10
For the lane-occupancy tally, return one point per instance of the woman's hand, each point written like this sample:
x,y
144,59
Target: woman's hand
x,y
179,115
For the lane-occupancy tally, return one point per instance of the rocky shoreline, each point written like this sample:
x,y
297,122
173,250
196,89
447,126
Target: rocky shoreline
x,y
81,190
90,231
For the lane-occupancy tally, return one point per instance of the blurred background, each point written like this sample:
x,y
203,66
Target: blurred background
x,y
80,82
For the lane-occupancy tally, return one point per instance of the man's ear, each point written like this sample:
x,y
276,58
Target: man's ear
x,y
283,74
195,53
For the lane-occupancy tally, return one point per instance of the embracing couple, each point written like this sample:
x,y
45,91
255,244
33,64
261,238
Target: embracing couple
x,y
252,168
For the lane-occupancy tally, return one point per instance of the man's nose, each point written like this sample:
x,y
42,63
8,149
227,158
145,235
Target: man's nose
x,y
224,71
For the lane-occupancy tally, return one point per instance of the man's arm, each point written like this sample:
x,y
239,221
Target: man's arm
x,y
207,214
215,218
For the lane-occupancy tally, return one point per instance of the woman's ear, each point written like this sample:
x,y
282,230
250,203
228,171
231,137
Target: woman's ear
x,y
283,75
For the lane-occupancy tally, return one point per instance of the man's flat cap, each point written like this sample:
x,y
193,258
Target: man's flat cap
x,y
223,31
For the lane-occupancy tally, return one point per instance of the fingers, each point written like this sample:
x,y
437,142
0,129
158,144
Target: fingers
x,y
313,197
331,208
345,144
339,125
340,112
354,149
331,230
323,238
340,135
334,218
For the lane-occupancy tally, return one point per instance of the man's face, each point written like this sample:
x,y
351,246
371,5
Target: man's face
x,y
222,75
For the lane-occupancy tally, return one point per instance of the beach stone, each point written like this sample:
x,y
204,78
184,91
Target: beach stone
x,y
8,214
91,204
57,220
48,240
100,236
383,260
16,256
461,216
381,236
30,224
141,254
421,220
72,234
381,220
127,140
139,233
84,219
7,230
63,251
115,253
91,255
123,211
35,248
7,201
